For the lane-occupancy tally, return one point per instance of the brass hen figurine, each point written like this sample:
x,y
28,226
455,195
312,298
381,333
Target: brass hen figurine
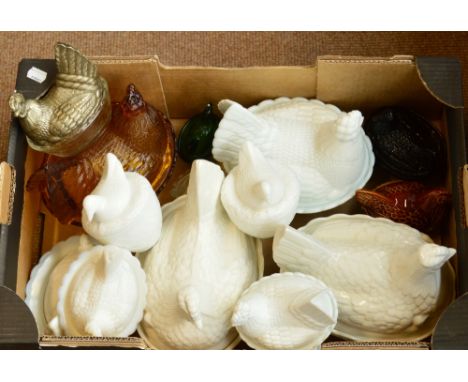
x,y
72,113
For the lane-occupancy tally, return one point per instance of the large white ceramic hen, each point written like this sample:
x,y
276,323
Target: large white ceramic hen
x,y
385,276
198,269
260,195
286,311
325,147
123,209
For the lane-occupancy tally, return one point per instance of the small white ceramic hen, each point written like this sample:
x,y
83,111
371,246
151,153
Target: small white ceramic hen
x,y
260,195
103,293
325,147
286,311
385,276
123,209
198,269
40,278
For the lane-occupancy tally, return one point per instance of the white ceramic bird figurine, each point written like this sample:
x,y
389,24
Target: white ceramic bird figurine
x,y
325,147
260,195
286,311
198,269
123,209
79,288
43,303
102,293
385,276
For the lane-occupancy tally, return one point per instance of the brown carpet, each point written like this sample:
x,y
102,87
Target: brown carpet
x,y
221,49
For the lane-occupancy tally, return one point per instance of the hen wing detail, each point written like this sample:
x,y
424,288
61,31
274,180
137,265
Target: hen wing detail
x,y
73,113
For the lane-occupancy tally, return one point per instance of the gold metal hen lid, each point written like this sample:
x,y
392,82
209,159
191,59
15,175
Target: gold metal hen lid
x,y
74,112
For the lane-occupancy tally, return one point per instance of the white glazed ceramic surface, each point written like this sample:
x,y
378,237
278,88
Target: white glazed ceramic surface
x,y
198,269
286,311
123,209
325,147
41,278
385,276
260,195
103,293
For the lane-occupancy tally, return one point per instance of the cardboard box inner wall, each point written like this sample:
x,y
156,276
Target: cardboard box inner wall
x,y
181,92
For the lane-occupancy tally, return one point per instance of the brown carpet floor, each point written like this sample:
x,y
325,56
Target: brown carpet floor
x,y
221,49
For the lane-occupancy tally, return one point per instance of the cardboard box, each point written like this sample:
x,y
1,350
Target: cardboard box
x,y
430,86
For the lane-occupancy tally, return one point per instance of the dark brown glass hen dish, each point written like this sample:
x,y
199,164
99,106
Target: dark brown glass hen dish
x,y
405,144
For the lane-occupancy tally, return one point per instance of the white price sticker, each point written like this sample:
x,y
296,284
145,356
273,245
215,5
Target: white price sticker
x,y
37,74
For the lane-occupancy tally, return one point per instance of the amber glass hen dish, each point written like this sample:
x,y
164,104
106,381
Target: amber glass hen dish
x,y
407,202
141,137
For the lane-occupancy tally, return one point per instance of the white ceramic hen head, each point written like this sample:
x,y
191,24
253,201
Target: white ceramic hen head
x,y
198,269
374,266
123,209
286,311
103,293
325,147
349,125
260,195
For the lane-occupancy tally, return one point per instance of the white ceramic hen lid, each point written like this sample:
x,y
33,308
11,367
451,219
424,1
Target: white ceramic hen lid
x,y
38,283
260,195
102,294
286,311
123,209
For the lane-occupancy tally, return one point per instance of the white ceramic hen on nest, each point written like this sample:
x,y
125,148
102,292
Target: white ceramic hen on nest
x,y
198,269
123,209
260,195
103,293
385,276
79,289
325,147
42,299
286,311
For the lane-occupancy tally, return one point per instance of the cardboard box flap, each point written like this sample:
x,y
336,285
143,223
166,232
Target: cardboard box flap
x,y
143,72
369,83
464,177
457,153
17,325
451,331
17,148
92,342
7,192
381,345
442,77
189,89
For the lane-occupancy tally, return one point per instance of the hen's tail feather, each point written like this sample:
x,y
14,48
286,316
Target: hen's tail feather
x,y
296,251
71,61
238,126
314,308
189,302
